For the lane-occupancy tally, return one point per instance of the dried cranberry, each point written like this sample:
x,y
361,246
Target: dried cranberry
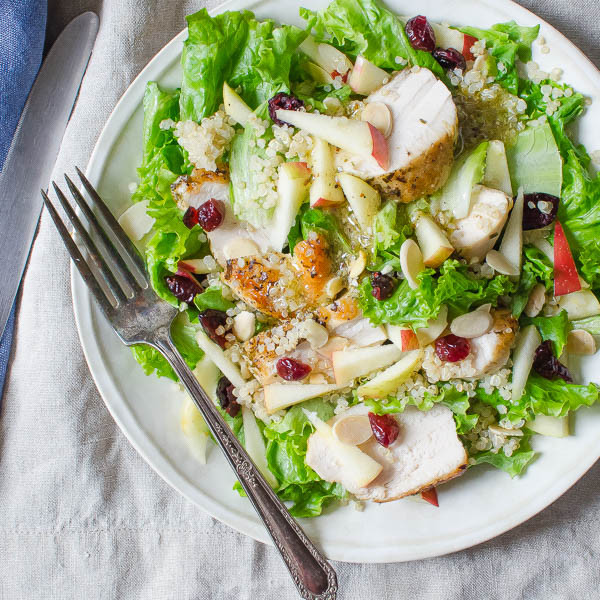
x,y
539,210
420,33
284,101
450,58
211,319
452,348
210,214
383,286
547,365
226,398
291,369
385,428
184,288
190,217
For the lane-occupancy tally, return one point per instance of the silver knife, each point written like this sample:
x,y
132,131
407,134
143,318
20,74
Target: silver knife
x,y
34,149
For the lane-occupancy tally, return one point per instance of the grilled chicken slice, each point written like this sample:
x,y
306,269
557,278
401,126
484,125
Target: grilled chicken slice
x,y
314,266
337,313
426,453
233,238
489,352
477,233
421,144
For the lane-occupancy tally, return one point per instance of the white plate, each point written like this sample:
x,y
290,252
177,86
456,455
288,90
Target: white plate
x,y
474,508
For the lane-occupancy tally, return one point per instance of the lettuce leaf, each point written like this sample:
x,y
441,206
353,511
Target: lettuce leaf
x,y
212,297
252,55
506,42
537,268
320,221
366,27
286,451
554,328
513,464
391,228
590,324
454,286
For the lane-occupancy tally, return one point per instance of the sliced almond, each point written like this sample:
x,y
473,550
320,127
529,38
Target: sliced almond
x,y
580,341
357,266
332,105
379,115
244,325
353,429
500,263
411,261
240,248
435,328
472,325
335,344
505,432
485,307
334,286
316,335
537,299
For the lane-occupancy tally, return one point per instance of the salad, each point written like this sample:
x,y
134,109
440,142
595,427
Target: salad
x,y
384,245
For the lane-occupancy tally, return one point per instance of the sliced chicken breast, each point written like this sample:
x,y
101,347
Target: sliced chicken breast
x,y
233,238
477,233
427,452
489,352
421,144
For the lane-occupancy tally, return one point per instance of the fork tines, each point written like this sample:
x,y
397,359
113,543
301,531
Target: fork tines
x,y
111,269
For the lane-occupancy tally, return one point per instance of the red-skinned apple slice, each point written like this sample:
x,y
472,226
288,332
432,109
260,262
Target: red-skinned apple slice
x,y
366,77
430,496
325,190
326,56
357,137
363,199
566,279
197,266
468,41
403,337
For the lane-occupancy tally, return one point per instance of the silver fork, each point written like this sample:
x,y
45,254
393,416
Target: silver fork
x,y
139,316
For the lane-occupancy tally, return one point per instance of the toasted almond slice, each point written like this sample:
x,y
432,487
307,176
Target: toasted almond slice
x,y
353,429
379,115
411,261
244,325
537,299
580,341
240,248
500,263
485,307
316,335
357,266
334,286
472,325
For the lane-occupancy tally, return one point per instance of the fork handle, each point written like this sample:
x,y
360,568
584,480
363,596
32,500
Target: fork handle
x,y
314,577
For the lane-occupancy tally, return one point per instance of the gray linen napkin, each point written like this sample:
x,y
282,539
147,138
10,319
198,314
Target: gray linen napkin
x,y
83,516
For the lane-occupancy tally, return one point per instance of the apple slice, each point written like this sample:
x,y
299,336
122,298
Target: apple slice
x,y
198,266
497,175
511,246
357,137
255,445
349,364
283,395
468,41
430,496
366,77
388,381
527,343
566,279
404,337
446,37
136,222
363,199
291,189
435,327
551,426
433,242
354,468
326,56
325,190
411,262
580,305
235,107
319,74
216,354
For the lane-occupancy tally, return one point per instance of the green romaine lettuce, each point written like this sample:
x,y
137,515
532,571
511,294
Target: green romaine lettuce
x,y
320,221
454,286
506,42
366,27
536,269
212,297
286,451
591,325
234,47
554,328
513,464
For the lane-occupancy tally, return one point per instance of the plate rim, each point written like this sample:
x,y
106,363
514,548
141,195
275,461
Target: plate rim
x,y
86,314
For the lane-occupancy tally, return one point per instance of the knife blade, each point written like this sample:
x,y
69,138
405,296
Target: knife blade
x,y
34,149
